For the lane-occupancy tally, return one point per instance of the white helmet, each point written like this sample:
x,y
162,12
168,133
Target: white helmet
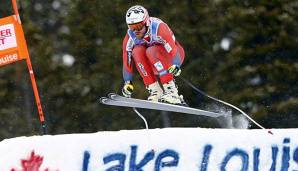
x,y
137,14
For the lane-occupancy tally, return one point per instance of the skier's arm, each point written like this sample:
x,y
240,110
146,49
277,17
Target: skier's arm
x,y
167,37
127,70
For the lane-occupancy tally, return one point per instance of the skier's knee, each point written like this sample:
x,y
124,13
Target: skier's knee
x,y
138,51
151,52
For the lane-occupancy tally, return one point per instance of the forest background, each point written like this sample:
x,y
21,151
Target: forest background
x,y
243,52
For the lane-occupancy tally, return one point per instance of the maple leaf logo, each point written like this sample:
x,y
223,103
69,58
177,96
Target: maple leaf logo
x,y
32,164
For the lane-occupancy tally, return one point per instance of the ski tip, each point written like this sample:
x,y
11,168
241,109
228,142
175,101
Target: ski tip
x,y
111,95
102,100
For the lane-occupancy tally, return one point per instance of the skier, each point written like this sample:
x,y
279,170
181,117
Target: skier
x,y
151,45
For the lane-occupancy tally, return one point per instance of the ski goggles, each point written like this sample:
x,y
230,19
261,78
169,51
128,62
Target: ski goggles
x,y
136,26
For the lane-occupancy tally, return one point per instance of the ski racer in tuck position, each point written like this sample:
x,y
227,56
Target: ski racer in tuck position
x,y
150,45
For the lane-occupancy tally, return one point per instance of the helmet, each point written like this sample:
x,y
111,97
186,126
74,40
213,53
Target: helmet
x,y
136,17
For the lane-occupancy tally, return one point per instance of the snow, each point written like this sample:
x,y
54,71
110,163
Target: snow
x,y
225,43
68,60
169,149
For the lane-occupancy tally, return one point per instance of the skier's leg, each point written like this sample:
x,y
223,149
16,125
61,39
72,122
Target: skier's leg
x,y
144,68
161,61
143,65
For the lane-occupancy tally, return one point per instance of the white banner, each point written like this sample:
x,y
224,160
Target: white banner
x,y
171,149
7,37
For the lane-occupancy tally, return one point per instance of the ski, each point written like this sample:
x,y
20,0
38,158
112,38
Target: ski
x,y
117,100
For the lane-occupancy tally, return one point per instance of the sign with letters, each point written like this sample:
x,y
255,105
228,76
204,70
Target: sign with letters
x,y
12,41
13,48
7,37
168,149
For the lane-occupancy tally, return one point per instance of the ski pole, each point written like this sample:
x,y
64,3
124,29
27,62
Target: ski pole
x,y
147,128
220,101
141,116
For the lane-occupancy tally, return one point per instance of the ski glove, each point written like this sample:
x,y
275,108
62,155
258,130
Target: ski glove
x,y
175,70
127,89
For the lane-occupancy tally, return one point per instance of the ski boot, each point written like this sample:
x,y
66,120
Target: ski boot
x,y
155,92
171,95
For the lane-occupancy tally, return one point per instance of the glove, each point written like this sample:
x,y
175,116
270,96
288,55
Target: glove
x,y
127,89
175,70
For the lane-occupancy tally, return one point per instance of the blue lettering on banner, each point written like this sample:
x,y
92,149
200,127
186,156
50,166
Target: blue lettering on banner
x,y
170,158
138,167
86,160
295,156
256,159
133,165
274,150
285,156
117,156
236,152
159,164
206,154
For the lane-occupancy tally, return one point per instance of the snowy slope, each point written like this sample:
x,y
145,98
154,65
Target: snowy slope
x,y
171,149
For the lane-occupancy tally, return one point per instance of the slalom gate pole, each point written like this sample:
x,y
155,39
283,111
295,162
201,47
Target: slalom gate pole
x,y
37,99
16,11
220,101
32,77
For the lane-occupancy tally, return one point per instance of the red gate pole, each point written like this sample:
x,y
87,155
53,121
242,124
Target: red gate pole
x,y
31,73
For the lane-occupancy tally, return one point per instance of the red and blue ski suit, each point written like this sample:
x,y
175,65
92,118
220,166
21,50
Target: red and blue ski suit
x,y
152,55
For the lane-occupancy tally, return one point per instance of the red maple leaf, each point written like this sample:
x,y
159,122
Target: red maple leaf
x,y
32,164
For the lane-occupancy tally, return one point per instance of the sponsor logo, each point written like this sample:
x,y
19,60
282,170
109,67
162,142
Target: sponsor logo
x,y
129,56
168,47
8,58
142,68
7,37
158,66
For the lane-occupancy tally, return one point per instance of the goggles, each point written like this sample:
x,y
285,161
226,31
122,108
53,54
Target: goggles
x,y
136,26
